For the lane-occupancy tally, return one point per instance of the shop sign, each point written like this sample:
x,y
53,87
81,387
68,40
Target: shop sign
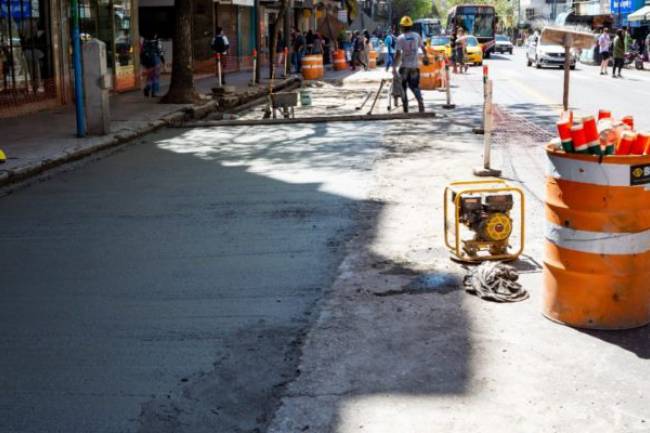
x,y
20,9
249,3
622,7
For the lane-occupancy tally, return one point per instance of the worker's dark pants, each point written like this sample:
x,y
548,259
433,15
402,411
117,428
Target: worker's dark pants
x,y
410,78
618,63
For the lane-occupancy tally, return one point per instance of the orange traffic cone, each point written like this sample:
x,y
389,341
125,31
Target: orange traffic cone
x,y
564,130
629,121
591,135
604,114
579,139
627,141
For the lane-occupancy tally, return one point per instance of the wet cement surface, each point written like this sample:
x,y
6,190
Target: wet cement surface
x,y
166,287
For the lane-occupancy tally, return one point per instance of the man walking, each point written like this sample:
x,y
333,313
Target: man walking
x,y
220,45
298,49
406,57
619,52
390,42
358,47
604,42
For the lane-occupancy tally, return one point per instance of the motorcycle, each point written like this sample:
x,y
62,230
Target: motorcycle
x,y
633,57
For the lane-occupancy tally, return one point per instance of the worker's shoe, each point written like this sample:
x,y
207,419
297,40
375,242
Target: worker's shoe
x,y
420,106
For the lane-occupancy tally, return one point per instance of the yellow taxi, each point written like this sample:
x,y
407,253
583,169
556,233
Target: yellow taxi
x,y
474,51
441,44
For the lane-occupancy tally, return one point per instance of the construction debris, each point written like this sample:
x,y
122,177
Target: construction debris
x,y
495,281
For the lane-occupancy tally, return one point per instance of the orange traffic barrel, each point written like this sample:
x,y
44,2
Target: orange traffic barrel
x,y
339,60
597,249
312,67
431,74
372,59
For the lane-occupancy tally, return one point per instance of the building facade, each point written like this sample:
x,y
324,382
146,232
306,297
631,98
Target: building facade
x,y
36,55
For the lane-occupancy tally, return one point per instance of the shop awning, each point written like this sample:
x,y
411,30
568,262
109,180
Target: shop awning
x,y
642,14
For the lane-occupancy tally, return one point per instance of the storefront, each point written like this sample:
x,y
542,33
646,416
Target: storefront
x,y
237,19
27,60
111,21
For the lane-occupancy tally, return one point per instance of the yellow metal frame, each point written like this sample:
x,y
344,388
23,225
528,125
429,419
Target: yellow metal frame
x,y
475,188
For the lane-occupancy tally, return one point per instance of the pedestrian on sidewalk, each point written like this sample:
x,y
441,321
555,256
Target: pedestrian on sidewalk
x,y
309,41
220,45
327,50
390,42
619,53
280,45
298,49
647,47
458,54
604,44
152,59
357,52
406,57
317,46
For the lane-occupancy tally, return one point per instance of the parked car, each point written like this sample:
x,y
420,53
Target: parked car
x,y
502,44
546,54
441,44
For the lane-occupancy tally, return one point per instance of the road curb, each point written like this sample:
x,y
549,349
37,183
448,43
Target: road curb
x,y
34,168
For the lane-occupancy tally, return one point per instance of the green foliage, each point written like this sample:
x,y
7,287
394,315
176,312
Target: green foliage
x,y
413,8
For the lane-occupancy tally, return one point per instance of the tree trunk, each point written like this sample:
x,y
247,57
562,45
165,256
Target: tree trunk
x,y
181,89
275,26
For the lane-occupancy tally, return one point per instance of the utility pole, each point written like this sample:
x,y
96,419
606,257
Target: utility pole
x,y
258,41
78,77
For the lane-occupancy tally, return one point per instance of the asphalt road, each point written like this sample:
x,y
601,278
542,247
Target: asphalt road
x,y
168,286
537,93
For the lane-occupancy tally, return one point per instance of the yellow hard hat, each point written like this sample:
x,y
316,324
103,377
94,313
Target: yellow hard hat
x,y
406,21
3,157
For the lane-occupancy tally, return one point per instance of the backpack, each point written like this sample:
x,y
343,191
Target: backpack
x,y
149,53
359,44
219,44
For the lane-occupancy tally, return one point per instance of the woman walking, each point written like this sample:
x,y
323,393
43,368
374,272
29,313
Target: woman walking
x,y
619,52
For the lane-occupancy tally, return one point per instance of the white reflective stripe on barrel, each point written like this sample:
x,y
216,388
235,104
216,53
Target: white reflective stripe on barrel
x,y
598,242
311,66
588,171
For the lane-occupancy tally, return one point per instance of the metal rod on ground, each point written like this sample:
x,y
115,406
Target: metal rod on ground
x,y
368,95
381,86
487,136
448,105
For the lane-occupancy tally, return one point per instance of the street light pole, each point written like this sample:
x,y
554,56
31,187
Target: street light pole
x,y
78,77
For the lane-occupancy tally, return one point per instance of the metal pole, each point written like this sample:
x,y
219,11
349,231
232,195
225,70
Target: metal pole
x,y
258,42
76,62
568,41
448,105
219,70
486,170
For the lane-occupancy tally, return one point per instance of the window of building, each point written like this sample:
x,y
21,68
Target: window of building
x,y
26,68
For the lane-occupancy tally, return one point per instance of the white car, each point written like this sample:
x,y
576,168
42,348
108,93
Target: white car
x,y
502,44
545,54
